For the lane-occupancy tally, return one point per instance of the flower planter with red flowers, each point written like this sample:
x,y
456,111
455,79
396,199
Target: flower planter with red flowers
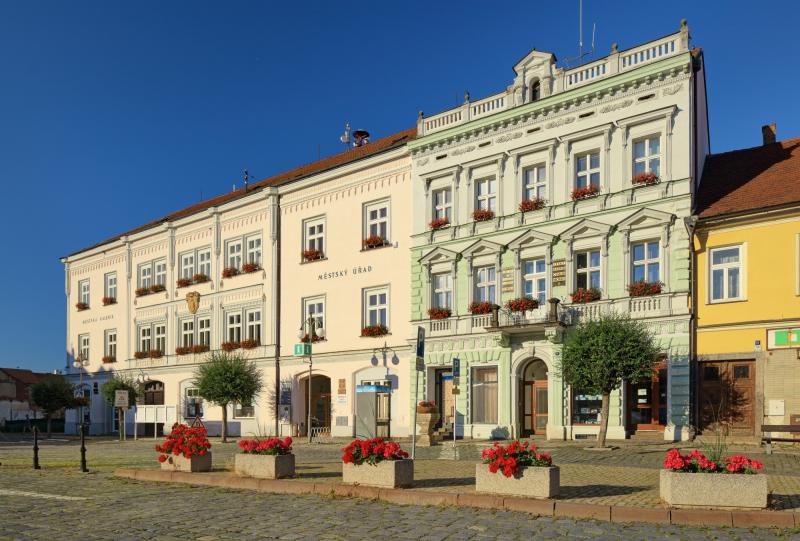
x,y
528,205
585,192
141,354
582,296
142,291
439,313
200,278
109,300
644,289
523,304
200,348
312,255
427,417
306,339
645,179
692,480
477,308
230,346
183,350
517,469
155,354
184,282
439,223
108,359
373,241
186,449
81,306
229,272
248,344
250,267
157,288
271,458
482,215
376,463
375,330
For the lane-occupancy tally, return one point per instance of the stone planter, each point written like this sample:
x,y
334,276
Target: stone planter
x,y
740,491
385,474
426,421
531,482
194,464
264,466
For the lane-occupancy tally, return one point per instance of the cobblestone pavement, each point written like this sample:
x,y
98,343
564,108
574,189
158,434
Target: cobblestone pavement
x,y
65,505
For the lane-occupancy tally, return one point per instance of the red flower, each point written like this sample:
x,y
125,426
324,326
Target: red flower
x,y
586,295
527,205
514,456
482,215
645,179
522,304
162,458
375,330
372,451
481,308
584,193
373,241
439,313
439,223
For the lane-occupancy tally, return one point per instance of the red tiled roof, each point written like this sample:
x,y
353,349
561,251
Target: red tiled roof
x,y
331,162
750,179
23,379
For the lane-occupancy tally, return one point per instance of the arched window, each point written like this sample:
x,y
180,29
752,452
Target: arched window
x,y
536,90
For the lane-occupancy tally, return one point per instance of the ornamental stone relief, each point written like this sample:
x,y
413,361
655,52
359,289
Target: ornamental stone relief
x,y
462,150
672,90
508,137
614,106
560,122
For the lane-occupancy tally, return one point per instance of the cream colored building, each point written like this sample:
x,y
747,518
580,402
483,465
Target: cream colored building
x,y
229,271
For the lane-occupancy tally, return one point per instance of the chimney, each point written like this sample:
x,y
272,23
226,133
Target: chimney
x,y
768,133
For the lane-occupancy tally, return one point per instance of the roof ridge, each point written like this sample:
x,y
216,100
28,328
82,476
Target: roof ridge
x,y
781,142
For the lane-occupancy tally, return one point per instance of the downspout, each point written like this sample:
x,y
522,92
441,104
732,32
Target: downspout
x,y
276,303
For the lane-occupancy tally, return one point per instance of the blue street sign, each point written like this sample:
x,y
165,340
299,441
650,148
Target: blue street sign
x,y
421,342
302,350
456,367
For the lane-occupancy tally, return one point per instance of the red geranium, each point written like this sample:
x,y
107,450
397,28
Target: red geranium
x,y
375,330
249,344
184,440
439,313
230,346
481,308
438,223
157,288
696,462
586,295
81,306
141,291
372,451
645,179
109,300
522,304
312,255
199,278
481,215
585,192
510,458
373,241
643,288
250,267
229,272
527,205
270,446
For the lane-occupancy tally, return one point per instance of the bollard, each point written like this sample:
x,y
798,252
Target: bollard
x,y
83,449
36,465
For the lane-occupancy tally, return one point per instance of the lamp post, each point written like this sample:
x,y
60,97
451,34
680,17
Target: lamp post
x,y
384,351
308,328
79,364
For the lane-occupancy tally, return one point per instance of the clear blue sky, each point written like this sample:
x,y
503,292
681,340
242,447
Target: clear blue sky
x,y
114,114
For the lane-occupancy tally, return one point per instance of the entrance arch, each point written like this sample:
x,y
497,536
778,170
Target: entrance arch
x,y
533,398
320,402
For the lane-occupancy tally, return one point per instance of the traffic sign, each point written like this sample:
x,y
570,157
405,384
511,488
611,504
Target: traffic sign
x,y
421,342
456,367
420,364
121,399
302,349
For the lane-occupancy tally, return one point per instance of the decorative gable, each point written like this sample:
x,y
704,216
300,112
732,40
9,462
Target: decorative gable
x,y
482,247
586,228
530,239
644,218
438,255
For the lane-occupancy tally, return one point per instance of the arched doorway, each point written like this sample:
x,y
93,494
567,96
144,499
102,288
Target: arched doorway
x,y
533,407
320,403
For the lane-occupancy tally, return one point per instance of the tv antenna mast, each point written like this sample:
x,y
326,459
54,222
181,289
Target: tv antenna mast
x,y
581,54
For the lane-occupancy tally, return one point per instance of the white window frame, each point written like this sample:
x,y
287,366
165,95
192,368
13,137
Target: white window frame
x,y
203,261
725,268
110,346
534,277
485,284
315,240
472,383
589,267
234,253
145,275
253,247
647,261
84,291
187,332
152,273
203,328
534,182
233,326
488,199
192,396
254,324
648,156
445,291
380,225
160,337
368,309
188,262
110,285
443,209
315,306
586,174
84,347
144,336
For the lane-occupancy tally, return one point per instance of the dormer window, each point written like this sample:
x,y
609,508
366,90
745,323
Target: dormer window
x,y
536,90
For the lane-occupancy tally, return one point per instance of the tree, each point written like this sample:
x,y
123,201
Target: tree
x,y
600,354
120,383
52,394
226,378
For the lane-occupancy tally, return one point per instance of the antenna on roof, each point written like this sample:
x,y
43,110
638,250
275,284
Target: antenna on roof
x,y
246,178
581,54
345,137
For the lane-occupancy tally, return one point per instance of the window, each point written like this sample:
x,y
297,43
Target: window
x,y
110,348
442,291
534,280
145,338
315,308
187,333
204,331
647,155
314,235
442,204
586,408
161,337
187,265
377,307
233,254
204,261
194,403
645,260
536,90
145,275
587,269
161,272
153,272
485,284
244,409
486,194
233,329
254,325
83,347
195,262
254,249
725,273
377,220
484,395
111,285
535,182
83,291
587,170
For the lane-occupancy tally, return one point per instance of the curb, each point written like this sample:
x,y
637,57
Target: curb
x,y
542,508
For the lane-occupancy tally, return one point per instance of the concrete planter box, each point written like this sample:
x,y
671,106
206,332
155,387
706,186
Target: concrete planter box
x,y
386,474
264,466
194,464
740,491
531,482
426,422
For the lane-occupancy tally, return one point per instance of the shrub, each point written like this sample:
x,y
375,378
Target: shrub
x,y
372,451
270,446
510,458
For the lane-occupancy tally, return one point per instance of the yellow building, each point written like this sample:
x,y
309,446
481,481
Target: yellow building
x,y
747,295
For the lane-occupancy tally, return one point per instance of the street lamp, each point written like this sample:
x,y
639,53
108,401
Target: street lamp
x,y
79,364
384,351
312,333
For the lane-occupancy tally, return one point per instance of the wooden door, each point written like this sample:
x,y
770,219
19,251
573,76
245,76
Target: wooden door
x,y
540,408
647,402
727,396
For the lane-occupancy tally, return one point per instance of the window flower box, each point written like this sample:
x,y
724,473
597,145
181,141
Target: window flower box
x,y
141,354
528,205
523,304
481,308
517,469
439,223
200,278
306,339
376,463
439,313
184,282
200,348
186,449
108,359
248,344
157,288
482,215
692,480
312,255
645,179
373,241
375,330
230,346
109,300
142,291
183,350
644,289
271,458
81,306
250,267
583,296
229,272
585,192
155,354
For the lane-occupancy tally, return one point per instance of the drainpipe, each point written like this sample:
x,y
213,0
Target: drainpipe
x,y
276,300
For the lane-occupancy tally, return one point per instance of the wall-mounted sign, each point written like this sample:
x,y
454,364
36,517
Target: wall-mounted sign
x,y
342,386
507,281
286,393
341,273
783,338
559,268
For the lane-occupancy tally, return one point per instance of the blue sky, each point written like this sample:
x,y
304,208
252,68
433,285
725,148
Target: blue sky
x,y
114,114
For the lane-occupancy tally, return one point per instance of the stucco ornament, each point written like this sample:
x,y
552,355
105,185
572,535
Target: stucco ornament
x,y
193,301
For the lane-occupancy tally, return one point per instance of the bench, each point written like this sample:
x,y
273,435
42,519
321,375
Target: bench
x,y
767,431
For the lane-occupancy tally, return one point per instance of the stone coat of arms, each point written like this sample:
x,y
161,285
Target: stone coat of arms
x,y
193,301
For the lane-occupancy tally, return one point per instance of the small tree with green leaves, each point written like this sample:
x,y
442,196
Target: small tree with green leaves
x,y
119,383
600,354
226,378
52,394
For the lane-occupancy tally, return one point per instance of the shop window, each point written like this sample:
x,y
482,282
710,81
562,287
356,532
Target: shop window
x,y
586,408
